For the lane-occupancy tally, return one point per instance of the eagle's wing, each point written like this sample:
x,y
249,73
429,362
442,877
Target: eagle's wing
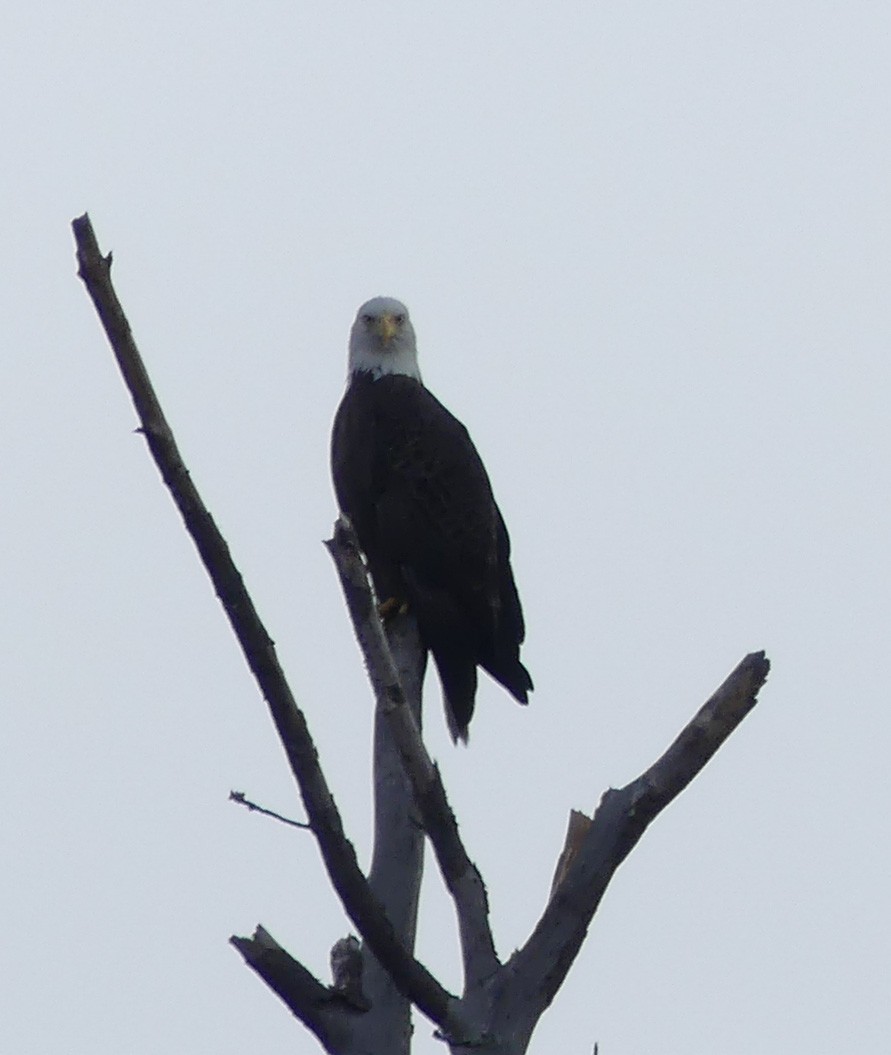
x,y
409,477
435,505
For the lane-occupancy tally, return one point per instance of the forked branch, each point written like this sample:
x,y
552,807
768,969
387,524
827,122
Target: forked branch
x,y
461,876
538,969
411,977
501,1004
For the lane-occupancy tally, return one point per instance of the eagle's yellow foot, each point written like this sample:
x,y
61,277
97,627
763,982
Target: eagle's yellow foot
x,y
391,607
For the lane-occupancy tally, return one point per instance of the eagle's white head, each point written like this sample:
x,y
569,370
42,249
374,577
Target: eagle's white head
x,y
382,340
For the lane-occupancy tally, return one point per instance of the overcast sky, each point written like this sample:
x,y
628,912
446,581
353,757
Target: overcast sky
x,y
645,246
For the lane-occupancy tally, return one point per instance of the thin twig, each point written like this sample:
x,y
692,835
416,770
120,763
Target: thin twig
x,y
239,796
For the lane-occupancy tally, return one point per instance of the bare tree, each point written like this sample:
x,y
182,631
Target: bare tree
x,y
376,978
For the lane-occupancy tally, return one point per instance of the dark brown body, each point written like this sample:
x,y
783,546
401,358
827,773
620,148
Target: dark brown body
x,y
407,475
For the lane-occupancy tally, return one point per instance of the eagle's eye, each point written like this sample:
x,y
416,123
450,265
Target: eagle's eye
x,y
399,319
368,319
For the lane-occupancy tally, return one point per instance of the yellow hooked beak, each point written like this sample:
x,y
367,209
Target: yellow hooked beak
x,y
386,328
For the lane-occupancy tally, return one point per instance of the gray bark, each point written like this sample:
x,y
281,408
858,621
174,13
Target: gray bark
x,y
398,859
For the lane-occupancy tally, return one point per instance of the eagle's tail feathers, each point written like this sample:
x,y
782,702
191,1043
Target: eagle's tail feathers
x,y
512,675
458,676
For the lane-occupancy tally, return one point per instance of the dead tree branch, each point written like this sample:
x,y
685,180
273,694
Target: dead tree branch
x,y
501,1003
311,1002
254,807
397,860
461,876
411,977
535,973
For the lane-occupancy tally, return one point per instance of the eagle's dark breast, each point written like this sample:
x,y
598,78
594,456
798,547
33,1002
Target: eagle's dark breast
x,y
408,476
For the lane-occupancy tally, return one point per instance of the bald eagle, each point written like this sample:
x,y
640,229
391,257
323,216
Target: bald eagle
x,y
409,478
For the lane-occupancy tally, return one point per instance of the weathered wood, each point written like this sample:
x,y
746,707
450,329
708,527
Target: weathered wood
x,y
339,856
367,1009
460,874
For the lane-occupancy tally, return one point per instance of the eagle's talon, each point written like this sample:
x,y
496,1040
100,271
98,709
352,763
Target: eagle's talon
x,y
392,607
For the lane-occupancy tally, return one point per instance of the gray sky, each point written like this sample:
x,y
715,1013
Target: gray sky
x,y
646,250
